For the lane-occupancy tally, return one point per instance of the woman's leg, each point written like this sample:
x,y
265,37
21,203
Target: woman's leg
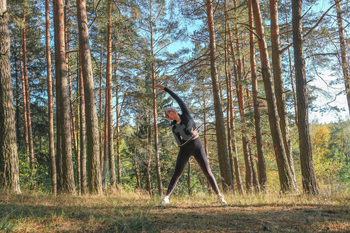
x,y
202,160
182,159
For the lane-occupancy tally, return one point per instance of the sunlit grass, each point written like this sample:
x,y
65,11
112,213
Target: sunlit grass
x,y
138,212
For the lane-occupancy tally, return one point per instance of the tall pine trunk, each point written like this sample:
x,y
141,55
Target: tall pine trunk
x,y
100,109
105,146
257,119
50,102
155,121
224,162
9,171
112,178
287,183
117,130
82,129
26,82
64,132
24,105
306,162
228,102
94,172
149,151
344,61
278,83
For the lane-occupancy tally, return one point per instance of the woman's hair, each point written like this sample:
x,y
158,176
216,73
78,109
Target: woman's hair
x,y
170,109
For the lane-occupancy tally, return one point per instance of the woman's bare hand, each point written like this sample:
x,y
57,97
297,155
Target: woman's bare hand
x,y
195,133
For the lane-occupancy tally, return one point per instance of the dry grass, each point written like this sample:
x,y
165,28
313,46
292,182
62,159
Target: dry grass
x,y
137,212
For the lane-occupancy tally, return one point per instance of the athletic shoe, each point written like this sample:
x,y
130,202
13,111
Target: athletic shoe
x,y
221,199
165,200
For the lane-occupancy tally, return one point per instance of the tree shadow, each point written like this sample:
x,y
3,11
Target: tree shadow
x,y
134,217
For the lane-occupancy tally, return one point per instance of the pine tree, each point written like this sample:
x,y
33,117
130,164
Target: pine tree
x,y
9,171
65,164
306,162
94,172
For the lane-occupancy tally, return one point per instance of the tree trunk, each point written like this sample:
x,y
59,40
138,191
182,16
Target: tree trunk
x,y
18,105
228,91
278,83
307,168
343,52
155,123
232,118
71,109
259,140
112,178
240,95
77,116
64,133
225,168
105,158
117,132
82,129
101,116
189,178
26,82
94,172
24,106
149,146
9,171
293,87
285,175
205,133
50,102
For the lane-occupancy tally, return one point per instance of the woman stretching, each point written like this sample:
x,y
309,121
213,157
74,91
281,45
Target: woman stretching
x,y
186,136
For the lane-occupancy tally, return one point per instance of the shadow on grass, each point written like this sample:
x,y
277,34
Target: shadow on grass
x,y
130,217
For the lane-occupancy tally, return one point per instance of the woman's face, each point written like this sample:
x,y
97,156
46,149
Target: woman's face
x,y
171,114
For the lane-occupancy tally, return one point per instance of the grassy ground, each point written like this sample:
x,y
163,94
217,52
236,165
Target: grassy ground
x,y
137,212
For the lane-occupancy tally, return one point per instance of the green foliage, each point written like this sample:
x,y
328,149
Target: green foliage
x,y
330,152
5,225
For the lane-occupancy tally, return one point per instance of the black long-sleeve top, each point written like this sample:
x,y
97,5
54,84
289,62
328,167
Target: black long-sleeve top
x,y
182,131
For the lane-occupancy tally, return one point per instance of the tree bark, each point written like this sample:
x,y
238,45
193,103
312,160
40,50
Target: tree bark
x,y
117,132
224,162
306,162
278,83
105,158
344,61
101,112
9,171
71,109
94,172
228,102
17,97
67,176
257,119
112,178
149,146
205,132
26,82
50,102
24,105
285,175
155,122
189,178
82,129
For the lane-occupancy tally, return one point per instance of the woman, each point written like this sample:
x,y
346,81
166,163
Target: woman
x,y
186,136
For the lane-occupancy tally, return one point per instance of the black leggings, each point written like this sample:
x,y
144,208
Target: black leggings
x,y
196,149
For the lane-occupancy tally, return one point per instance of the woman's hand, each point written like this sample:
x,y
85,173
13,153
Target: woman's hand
x,y
195,133
159,86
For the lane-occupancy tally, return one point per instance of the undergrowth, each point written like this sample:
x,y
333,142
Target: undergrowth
x,y
138,212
